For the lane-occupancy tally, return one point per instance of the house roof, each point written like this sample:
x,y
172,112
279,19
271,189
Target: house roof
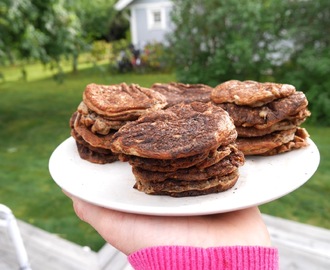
x,y
121,4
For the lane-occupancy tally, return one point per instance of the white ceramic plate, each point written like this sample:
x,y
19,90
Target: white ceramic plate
x,y
262,179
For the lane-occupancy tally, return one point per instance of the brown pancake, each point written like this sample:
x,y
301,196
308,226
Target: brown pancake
x,y
176,188
93,156
299,141
176,93
164,165
97,123
250,93
180,131
169,165
121,101
282,125
226,166
80,140
73,119
217,155
292,107
264,144
95,140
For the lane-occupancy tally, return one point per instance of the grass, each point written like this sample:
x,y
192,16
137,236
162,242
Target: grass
x,y
34,119
310,203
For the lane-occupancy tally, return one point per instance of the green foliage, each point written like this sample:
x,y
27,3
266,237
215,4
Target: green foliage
x,y
219,40
100,50
277,40
309,65
41,30
51,31
100,20
157,57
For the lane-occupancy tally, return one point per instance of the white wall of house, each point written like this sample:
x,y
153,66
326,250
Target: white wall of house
x,y
149,21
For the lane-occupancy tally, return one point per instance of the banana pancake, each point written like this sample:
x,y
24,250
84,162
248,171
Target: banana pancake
x,y
169,165
92,155
164,165
291,107
88,152
218,154
97,123
282,125
122,101
176,93
299,141
177,188
263,144
226,166
180,131
95,140
184,150
250,93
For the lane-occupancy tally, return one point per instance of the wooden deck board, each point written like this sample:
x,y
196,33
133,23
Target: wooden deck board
x,y
301,247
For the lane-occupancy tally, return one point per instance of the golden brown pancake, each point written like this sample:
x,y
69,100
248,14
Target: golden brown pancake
x,y
291,107
97,123
264,144
93,156
185,150
251,93
180,131
177,188
282,125
299,141
87,151
95,140
164,165
176,93
169,165
226,166
122,101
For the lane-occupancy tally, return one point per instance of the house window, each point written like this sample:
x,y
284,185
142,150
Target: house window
x,y
156,19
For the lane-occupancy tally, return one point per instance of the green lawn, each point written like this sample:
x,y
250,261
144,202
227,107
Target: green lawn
x,y
34,119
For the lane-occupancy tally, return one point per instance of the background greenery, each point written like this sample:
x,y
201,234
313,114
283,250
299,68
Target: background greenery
x,y
273,40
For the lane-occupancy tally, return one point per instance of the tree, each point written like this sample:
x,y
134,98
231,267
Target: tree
x,y
219,40
100,20
308,67
45,30
277,40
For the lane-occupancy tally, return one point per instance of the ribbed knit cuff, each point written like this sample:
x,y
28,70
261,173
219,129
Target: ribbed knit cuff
x,y
189,258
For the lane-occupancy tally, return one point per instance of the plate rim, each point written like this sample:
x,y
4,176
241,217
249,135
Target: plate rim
x,y
179,210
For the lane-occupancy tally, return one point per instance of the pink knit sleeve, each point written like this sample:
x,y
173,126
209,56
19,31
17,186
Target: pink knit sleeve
x,y
192,258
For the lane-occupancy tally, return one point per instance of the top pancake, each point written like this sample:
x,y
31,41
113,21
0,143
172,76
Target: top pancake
x,y
250,93
122,100
180,131
176,93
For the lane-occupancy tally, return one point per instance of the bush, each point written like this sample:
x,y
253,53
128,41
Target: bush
x,y
283,41
156,57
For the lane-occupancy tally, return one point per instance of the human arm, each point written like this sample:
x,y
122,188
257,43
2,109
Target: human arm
x,y
240,232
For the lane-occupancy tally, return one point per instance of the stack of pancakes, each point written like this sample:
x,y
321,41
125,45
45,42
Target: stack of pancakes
x,y
185,150
176,93
267,116
103,110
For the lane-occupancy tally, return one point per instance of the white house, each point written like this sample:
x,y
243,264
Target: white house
x,y
149,20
